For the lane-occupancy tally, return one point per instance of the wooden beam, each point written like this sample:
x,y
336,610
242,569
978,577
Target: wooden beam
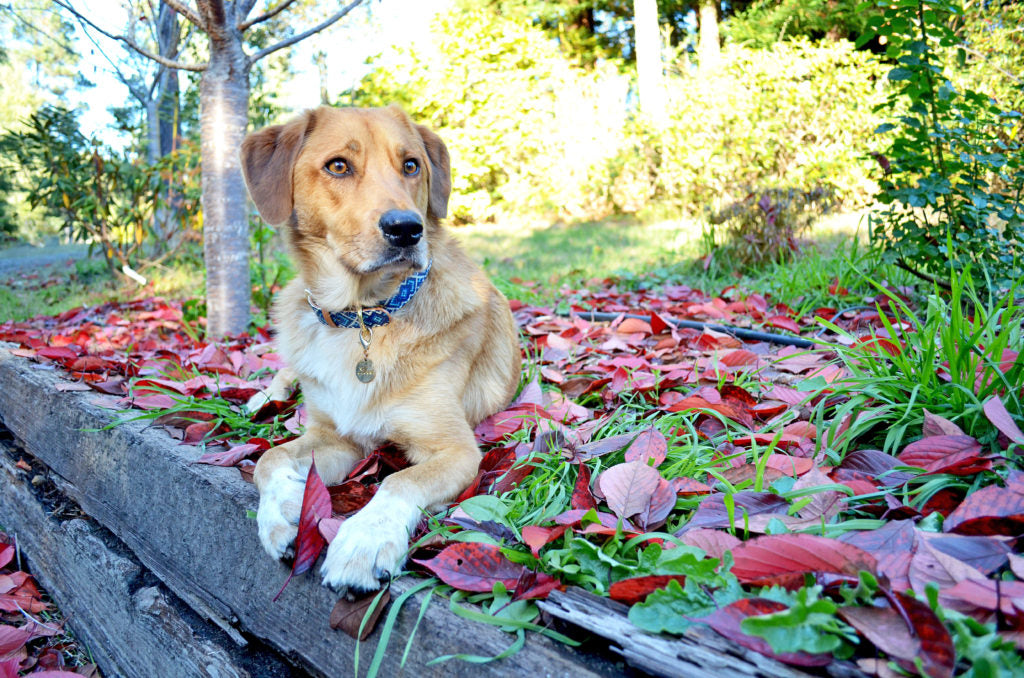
x,y
132,625
187,523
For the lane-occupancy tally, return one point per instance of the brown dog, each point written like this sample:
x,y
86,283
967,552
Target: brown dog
x,y
362,191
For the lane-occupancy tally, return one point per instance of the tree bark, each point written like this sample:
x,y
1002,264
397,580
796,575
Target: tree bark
x,y
709,52
648,59
223,105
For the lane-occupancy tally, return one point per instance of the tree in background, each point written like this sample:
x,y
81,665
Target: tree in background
x,y
709,51
650,90
38,66
224,100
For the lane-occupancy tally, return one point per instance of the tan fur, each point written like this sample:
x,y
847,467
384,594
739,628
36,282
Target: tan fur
x,y
447,360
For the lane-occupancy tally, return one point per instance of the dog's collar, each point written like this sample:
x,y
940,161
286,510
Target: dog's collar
x,y
375,316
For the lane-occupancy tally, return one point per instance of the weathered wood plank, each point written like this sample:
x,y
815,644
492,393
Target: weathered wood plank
x,y
187,523
132,626
697,654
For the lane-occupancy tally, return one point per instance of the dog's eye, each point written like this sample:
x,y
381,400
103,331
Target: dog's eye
x,y
338,167
411,167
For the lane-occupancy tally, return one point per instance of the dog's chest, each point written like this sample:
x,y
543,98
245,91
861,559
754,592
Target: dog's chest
x,y
331,359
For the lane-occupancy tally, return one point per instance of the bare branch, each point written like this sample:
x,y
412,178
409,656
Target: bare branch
x,y
185,11
302,36
170,63
269,14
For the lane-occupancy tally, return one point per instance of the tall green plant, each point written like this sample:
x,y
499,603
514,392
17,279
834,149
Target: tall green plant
x,y
953,170
102,197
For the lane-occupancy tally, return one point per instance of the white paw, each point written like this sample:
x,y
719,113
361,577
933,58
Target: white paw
x,y
278,514
371,545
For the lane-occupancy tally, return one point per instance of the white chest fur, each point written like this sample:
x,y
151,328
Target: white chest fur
x,y
327,360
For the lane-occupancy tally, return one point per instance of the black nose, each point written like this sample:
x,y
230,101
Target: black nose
x,y
401,228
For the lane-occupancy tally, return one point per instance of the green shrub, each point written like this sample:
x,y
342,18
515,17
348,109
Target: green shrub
x,y
532,132
796,116
954,168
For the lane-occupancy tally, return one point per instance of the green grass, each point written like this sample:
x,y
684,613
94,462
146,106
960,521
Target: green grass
x,y
643,255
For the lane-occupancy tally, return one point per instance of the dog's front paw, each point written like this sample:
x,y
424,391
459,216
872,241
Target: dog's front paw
x,y
371,545
278,514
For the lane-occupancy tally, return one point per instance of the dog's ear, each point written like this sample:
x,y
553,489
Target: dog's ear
x,y
440,172
268,157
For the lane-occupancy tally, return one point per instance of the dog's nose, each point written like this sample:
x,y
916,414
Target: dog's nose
x,y
401,228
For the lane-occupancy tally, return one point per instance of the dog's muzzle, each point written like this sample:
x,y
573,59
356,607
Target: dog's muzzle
x,y
401,228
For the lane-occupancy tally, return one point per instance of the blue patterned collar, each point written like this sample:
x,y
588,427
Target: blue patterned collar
x,y
374,316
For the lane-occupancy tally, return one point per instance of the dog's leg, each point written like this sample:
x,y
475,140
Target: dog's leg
x,y
373,543
279,389
280,476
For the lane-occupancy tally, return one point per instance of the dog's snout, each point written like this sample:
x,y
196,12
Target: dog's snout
x,y
401,228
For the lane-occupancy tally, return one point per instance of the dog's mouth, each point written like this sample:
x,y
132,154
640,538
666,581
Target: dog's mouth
x,y
395,258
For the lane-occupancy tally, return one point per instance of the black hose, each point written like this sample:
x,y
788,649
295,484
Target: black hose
x,y
737,332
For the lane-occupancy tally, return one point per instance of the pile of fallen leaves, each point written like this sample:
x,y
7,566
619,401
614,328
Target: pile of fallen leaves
x,y
685,473
28,643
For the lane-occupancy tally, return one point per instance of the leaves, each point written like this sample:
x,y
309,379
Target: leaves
x,y
991,510
765,558
471,566
358,616
728,620
316,506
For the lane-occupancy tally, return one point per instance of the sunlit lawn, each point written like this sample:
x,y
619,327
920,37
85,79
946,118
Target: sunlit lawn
x,y
514,254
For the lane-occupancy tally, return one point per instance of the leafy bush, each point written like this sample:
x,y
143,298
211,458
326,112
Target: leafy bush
x,y
101,196
531,132
763,227
954,168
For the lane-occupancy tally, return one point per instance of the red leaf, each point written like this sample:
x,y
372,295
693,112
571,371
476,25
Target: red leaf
x,y
780,554
934,425
931,453
582,497
472,566
712,511
650,444
892,545
715,543
937,654
636,589
727,622
59,353
350,496
629,487
13,638
537,537
195,433
533,585
599,448
783,323
996,412
633,326
991,510
685,486
316,505
229,457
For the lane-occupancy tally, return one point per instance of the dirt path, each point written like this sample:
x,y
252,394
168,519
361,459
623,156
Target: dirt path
x,y
26,257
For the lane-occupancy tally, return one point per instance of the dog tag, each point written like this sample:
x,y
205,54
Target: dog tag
x,y
364,371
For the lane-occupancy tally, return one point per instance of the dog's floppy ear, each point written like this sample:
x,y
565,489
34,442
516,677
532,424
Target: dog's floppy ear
x,y
440,172
268,157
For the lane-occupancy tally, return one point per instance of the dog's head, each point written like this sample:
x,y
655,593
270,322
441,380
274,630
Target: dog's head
x,y
362,189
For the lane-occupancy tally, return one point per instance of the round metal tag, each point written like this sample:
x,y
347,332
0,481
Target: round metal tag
x,y
364,371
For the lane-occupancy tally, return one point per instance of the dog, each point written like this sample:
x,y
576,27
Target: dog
x,y
393,333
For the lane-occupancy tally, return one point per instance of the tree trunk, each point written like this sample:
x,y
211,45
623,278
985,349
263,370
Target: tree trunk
x,y
223,106
709,52
648,59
